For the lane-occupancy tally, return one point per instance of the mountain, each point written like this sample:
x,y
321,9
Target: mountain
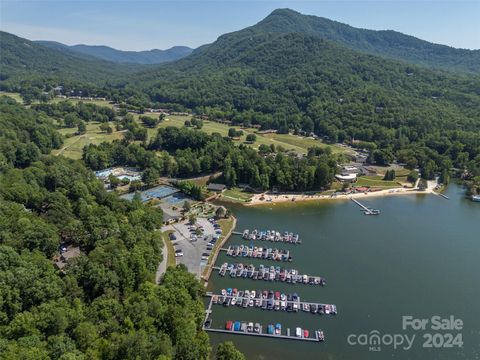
x,y
386,43
154,56
22,59
298,80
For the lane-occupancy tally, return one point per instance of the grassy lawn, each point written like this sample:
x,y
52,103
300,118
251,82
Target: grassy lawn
x,y
76,101
15,96
73,146
171,251
376,181
236,194
287,141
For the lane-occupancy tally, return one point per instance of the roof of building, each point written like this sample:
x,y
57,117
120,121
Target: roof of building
x,y
216,187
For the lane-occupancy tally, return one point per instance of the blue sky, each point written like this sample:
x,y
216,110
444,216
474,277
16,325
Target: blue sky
x,y
139,25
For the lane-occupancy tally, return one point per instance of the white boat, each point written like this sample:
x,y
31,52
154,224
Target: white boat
x,y
298,332
476,198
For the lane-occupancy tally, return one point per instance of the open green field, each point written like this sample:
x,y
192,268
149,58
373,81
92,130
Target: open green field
x,y
287,141
15,96
376,181
73,146
236,194
75,101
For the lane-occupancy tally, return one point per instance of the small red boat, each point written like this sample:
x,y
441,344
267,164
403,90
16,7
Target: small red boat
x,y
228,325
305,333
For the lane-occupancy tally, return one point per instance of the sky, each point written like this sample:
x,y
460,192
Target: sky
x,y
142,25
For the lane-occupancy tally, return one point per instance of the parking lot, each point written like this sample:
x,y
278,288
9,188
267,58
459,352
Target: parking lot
x,y
194,243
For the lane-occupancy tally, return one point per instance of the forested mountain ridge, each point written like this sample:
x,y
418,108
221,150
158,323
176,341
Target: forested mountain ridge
x,y
154,56
388,43
24,61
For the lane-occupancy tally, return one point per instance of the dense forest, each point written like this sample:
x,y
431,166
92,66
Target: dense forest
x,y
386,43
104,303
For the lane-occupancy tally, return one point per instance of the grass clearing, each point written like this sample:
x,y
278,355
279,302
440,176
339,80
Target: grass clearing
x,y
171,251
73,145
287,141
236,194
376,181
14,96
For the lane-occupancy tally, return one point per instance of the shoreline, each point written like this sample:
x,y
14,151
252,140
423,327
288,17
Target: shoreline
x,y
299,198
214,254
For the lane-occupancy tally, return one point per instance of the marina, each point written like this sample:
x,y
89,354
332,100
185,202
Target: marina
x,y
270,300
256,329
271,235
268,273
258,252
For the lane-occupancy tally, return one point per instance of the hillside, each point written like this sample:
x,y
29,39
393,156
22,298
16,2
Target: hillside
x,y
289,81
154,56
387,43
22,59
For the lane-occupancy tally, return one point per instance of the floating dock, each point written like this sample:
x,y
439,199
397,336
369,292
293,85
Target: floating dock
x,y
270,300
268,273
366,210
258,252
271,235
258,329
262,334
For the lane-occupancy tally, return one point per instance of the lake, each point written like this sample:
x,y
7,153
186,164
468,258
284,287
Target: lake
x,y
419,258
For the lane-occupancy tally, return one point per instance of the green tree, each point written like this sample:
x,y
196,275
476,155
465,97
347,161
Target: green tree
x,y
251,138
82,128
228,351
105,127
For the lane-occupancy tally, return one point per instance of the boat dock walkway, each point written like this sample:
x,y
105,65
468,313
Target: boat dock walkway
x,y
366,210
259,253
270,303
207,322
268,273
262,334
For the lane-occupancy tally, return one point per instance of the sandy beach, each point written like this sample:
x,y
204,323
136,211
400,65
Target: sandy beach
x,y
266,198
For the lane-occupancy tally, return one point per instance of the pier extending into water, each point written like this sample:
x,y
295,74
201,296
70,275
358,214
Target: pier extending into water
x,y
270,300
258,330
262,334
366,210
271,235
268,273
258,252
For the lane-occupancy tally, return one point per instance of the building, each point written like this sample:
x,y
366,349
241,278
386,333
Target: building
x,y
346,177
216,187
66,253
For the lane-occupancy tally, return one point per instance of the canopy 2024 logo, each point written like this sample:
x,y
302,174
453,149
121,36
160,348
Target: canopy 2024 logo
x,y
445,334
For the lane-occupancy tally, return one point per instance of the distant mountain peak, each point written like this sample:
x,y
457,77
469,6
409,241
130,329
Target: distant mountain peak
x,y
387,43
153,56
